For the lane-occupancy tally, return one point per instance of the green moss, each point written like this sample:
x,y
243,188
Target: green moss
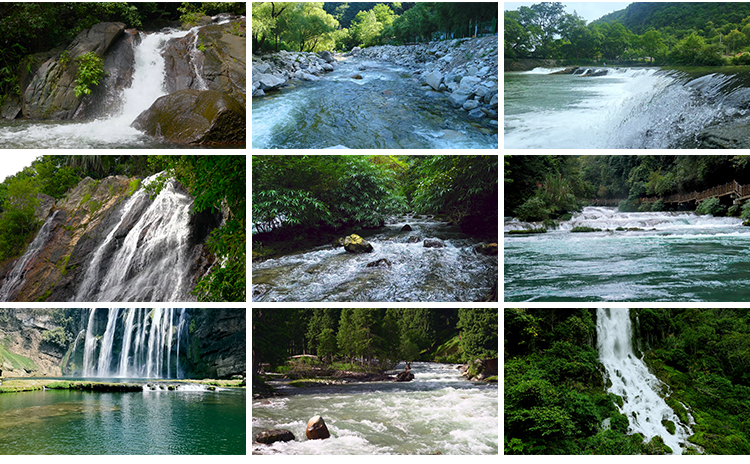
x,y
541,230
133,186
669,426
16,360
584,229
63,264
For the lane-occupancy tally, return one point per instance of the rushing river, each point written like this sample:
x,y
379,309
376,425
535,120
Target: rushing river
x,y
453,273
674,257
626,108
191,421
384,109
438,412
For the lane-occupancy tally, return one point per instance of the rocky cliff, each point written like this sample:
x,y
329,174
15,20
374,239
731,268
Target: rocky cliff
x,y
28,343
219,347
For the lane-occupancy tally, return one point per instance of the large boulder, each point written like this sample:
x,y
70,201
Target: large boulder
x,y
316,429
356,244
271,436
433,243
488,249
269,81
434,79
50,93
327,56
194,117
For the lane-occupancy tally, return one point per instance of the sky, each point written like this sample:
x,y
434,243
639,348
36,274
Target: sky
x,y
14,163
589,11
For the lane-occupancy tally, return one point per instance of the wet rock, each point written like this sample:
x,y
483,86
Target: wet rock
x,y
327,56
271,436
339,242
194,117
306,76
356,244
406,228
433,243
414,239
382,262
316,429
269,81
434,79
405,376
355,76
477,113
470,105
488,249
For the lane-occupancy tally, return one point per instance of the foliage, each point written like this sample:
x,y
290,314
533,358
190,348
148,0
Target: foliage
x,y
478,333
90,71
711,206
55,336
191,14
18,225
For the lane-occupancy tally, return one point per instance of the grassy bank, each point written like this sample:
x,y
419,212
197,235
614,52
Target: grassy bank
x,y
26,385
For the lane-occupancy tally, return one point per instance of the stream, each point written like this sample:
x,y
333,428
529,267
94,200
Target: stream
x,y
384,109
672,256
439,412
453,273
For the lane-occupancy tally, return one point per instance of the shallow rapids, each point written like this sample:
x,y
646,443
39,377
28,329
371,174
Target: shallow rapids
x,y
384,109
673,257
453,273
437,413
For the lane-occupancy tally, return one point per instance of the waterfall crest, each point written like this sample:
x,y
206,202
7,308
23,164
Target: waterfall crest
x,y
148,343
632,381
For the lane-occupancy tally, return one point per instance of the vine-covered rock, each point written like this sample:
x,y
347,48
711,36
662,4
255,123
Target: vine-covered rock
x,y
195,117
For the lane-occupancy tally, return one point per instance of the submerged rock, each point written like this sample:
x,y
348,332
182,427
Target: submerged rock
x,y
356,244
382,262
317,429
271,436
433,243
194,117
489,249
406,228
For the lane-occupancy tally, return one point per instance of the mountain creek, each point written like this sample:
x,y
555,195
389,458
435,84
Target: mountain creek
x,y
167,89
404,270
437,95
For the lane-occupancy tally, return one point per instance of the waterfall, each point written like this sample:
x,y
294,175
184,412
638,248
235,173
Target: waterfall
x,y
632,381
152,262
144,339
16,276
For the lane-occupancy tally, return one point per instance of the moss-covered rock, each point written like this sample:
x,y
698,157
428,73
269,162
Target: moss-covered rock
x,y
356,244
195,117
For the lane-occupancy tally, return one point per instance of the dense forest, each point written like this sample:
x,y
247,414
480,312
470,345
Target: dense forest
x,y
374,339
555,395
676,33
315,26
215,182
547,187
310,198
29,28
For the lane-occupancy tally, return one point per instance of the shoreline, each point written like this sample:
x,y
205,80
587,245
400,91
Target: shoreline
x,y
21,385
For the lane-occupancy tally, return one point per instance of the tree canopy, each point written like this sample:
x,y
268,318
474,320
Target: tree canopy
x,y
678,33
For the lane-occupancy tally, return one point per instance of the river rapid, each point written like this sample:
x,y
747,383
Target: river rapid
x,y
626,108
673,257
384,109
453,273
439,412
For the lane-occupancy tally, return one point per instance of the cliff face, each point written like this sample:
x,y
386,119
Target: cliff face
x,y
25,350
218,343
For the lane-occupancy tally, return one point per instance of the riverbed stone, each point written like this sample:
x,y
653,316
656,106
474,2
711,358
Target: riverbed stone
x,y
488,249
470,105
477,113
356,244
269,81
434,79
382,262
317,429
327,56
406,228
194,117
433,243
271,436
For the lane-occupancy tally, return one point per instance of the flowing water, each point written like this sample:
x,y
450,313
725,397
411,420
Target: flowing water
x,y
113,131
151,261
673,257
186,421
136,343
416,273
384,109
438,412
626,108
631,380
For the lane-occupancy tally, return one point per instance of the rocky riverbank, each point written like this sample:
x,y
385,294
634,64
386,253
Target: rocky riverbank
x,y
464,71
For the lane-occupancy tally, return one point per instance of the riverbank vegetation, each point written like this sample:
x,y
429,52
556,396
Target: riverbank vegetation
x,y
687,34
315,26
217,183
555,396
35,27
551,187
304,201
370,339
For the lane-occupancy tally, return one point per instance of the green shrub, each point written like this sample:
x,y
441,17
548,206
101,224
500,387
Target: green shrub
x,y
581,229
644,208
628,206
734,211
90,73
658,205
533,209
711,206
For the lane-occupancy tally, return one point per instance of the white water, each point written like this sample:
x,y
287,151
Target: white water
x,y
152,262
631,380
438,412
16,276
627,108
148,84
151,354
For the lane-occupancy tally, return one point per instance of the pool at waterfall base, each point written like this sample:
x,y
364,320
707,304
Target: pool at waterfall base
x,y
439,412
148,422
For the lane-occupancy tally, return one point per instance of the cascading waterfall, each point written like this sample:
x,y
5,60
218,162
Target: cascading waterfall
x,y
151,262
144,338
639,389
16,276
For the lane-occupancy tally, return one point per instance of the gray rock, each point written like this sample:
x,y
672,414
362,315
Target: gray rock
x,y
459,97
470,105
271,436
327,56
477,113
470,82
261,68
433,243
493,102
269,81
305,76
434,79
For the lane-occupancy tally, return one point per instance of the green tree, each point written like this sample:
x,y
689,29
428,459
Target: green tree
x,y
347,335
479,333
366,28
653,45
18,224
306,24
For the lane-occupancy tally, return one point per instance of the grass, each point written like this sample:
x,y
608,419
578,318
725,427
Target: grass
x,y
16,360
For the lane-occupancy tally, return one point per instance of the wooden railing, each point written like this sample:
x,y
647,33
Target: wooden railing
x,y
741,192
